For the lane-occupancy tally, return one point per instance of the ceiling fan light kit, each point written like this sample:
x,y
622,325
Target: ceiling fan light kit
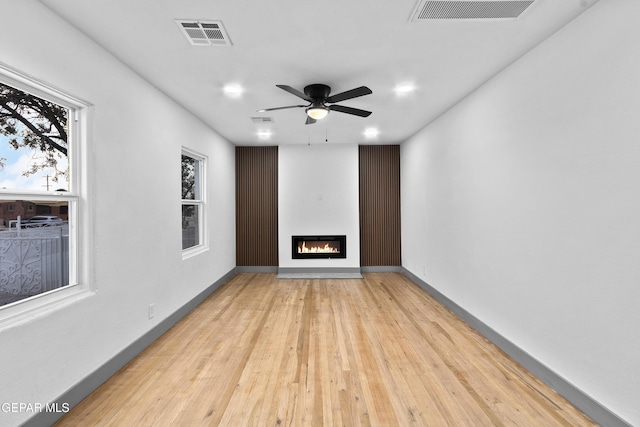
x,y
318,97
317,112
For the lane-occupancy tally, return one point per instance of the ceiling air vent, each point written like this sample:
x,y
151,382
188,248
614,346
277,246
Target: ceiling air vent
x,y
204,33
262,119
469,10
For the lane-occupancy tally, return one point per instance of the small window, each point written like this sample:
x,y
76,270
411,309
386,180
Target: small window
x,y
193,201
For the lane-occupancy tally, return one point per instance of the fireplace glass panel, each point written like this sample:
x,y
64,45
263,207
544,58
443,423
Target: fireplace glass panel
x,y
306,247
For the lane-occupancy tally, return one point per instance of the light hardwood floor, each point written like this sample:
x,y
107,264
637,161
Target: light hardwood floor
x,y
378,351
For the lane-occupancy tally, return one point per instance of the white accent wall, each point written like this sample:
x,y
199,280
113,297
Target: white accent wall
x,y
522,204
136,134
318,195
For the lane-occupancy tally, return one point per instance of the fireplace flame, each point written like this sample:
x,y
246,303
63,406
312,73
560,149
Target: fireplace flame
x,y
316,249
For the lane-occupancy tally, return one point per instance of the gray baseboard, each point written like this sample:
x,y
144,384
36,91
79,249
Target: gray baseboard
x,y
78,392
592,408
257,269
382,269
319,273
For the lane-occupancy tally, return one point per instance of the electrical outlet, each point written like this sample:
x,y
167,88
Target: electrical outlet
x,y
152,310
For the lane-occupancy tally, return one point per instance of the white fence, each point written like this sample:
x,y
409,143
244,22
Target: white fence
x,y
33,261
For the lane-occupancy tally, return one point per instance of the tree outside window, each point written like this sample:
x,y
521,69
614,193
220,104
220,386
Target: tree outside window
x,y
34,142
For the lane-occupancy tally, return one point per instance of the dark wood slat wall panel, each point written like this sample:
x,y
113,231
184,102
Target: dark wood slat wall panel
x,y
257,206
379,167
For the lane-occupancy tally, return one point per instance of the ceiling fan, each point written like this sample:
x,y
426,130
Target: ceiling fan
x,y
317,95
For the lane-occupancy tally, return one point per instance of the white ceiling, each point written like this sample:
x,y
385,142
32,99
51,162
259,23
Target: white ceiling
x,y
344,44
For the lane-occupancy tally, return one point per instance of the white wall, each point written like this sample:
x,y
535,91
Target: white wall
x,y
318,195
522,204
136,137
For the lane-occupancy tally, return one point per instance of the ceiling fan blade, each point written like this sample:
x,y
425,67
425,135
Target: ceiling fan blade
x,y
280,108
295,92
353,93
349,110
310,121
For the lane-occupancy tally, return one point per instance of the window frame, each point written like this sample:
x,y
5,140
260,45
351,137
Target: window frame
x,y
80,229
200,203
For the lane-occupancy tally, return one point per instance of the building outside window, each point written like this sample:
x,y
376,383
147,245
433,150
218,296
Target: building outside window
x,y
39,195
193,202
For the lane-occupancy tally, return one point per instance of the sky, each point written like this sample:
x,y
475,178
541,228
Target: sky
x,y
17,161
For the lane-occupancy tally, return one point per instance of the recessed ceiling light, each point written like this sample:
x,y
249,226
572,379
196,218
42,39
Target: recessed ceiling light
x,y
404,89
233,90
371,132
264,134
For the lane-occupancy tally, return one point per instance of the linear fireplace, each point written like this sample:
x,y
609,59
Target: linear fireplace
x,y
325,247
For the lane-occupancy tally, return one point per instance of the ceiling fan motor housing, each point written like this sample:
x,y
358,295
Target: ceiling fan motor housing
x,y
317,91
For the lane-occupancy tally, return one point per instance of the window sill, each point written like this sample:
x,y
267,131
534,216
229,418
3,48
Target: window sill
x,y
194,251
40,305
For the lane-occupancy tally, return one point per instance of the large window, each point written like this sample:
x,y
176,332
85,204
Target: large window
x,y
193,201
39,192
